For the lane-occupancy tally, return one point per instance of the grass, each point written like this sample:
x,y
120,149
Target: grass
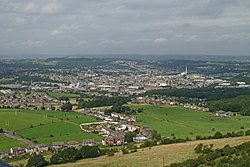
x,y
156,156
60,94
5,80
46,126
7,143
181,122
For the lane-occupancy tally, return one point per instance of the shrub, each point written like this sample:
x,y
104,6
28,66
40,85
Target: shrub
x,y
125,151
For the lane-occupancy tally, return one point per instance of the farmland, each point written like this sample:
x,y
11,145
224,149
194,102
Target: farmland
x,y
46,126
181,122
7,143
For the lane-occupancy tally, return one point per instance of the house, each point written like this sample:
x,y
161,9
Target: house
x,y
146,131
121,127
117,139
224,114
132,128
89,142
30,149
107,131
57,145
42,148
3,154
139,138
17,151
74,144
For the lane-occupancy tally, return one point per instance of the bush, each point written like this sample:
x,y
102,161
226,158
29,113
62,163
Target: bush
x,y
218,135
1,130
125,151
111,153
37,161
133,151
90,151
67,155
247,133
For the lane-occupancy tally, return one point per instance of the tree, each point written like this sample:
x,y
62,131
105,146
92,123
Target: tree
x,y
247,133
37,161
90,151
67,155
218,135
1,130
156,136
128,137
199,148
67,107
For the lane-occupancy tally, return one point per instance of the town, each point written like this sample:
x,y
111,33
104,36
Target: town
x,y
109,104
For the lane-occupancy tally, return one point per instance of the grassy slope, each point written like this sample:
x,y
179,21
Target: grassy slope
x,y
63,126
7,143
183,122
154,157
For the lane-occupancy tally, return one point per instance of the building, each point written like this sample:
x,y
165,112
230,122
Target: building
x,y
224,114
74,144
17,151
57,145
139,139
89,142
147,131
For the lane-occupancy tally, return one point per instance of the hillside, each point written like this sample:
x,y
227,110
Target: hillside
x,y
182,122
156,155
45,126
238,104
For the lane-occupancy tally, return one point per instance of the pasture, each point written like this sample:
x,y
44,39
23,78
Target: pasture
x,y
46,126
7,143
181,122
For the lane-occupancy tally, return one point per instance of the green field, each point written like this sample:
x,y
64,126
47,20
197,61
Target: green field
x,y
46,126
60,94
7,143
181,122
155,156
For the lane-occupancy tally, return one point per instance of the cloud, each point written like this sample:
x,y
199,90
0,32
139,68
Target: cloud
x,y
57,32
33,43
120,7
109,42
192,38
82,42
52,8
192,26
160,40
19,21
7,30
143,40
30,8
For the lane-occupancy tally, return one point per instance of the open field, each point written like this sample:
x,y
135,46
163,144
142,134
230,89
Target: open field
x,y
5,80
156,155
46,126
6,143
59,95
181,122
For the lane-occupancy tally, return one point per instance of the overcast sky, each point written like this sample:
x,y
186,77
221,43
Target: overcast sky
x,y
125,26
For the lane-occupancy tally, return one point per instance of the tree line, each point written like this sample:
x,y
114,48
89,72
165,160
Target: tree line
x,y
209,93
102,101
237,156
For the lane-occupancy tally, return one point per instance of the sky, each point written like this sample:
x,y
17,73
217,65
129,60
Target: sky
x,y
209,27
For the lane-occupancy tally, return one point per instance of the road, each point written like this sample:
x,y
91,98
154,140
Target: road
x,y
12,136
